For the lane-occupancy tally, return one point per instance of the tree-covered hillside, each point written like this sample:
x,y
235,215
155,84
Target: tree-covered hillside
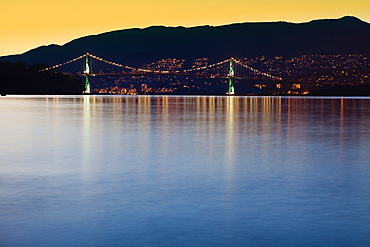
x,y
21,78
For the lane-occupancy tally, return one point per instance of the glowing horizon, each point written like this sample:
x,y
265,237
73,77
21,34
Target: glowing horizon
x,y
30,24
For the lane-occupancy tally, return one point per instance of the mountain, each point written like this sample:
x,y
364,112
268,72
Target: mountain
x,y
136,47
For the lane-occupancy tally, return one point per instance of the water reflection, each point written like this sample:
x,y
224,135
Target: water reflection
x,y
268,121
199,170
86,130
220,125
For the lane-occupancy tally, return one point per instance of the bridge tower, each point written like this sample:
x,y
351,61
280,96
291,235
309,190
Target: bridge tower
x,y
87,72
231,90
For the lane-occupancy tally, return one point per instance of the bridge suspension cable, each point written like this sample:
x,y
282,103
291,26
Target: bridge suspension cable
x,y
207,66
116,64
61,64
237,62
256,71
97,58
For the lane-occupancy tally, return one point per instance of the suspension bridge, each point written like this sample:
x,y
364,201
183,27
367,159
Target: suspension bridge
x,y
231,69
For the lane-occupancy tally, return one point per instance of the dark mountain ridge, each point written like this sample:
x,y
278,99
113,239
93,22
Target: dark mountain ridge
x,y
136,46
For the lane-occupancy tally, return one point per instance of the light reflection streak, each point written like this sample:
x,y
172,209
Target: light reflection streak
x,y
231,141
86,142
341,127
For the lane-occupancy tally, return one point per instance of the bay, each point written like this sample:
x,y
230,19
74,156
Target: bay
x,y
184,171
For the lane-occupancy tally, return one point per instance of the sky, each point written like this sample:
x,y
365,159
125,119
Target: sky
x,y
27,24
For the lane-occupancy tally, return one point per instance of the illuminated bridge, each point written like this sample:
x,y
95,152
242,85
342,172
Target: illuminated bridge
x,y
231,69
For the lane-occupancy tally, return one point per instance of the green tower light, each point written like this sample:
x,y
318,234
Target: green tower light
x,y
87,72
231,89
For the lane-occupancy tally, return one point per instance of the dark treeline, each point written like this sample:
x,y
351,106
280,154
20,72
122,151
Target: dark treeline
x,y
22,78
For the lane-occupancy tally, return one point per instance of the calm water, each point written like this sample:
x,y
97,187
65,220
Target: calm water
x,y
184,171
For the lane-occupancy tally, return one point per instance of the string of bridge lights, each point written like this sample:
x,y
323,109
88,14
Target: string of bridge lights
x,y
257,71
146,70
95,57
116,64
238,62
61,64
207,66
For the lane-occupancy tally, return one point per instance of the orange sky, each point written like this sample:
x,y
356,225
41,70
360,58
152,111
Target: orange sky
x,y
26,24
